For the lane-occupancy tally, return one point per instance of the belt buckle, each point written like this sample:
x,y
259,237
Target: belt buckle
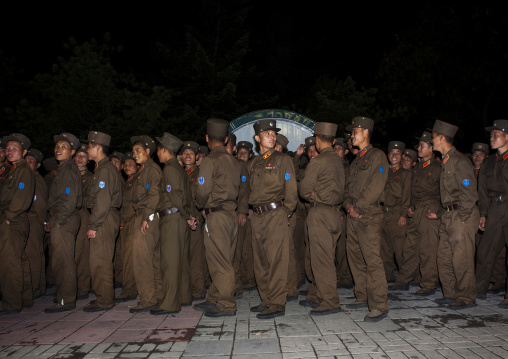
x,y
258,210
272,205
385,209
499,198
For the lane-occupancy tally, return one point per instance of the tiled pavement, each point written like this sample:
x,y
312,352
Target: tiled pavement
x,y
415,328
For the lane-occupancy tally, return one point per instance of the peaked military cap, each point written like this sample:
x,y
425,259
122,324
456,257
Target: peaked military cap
x,y
411,153
35,154
128,156
191,145
265,125
217,127
204,149
362,122
425,137
396,145
99,138
282,140
50,164
82,148
245,144
501,125
118,155
232,138
325,128
341,141
478,146
20,138
310,141
69,138
171,142
147,141
445,128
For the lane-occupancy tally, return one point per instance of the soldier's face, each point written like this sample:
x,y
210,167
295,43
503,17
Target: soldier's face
x,y
477,157
117,163
395,156
267,139
243,154
130,167
341,151
14,151
81,159
498,139
63,151
407,162
230,147
312,152
2,155
188,157
359,136
140,154
424,150
32,163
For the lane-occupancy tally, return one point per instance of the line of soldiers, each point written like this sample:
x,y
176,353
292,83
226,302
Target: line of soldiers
x,y
376,223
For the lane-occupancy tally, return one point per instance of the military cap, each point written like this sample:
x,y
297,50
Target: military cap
x,y
340,141
20,138
397,145
501,125
69,138
35,154
217,127
99,138
265,125
445,128
118,155
245,144
147,141
172,143
232,138
204,149
310,141
362,122
425,137
191,145
2,142
282,140
325,128
82,148
411,153
347,136
128,156
478,146
50,164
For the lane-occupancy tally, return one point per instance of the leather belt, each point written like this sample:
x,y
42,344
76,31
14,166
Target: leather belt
x,y
214,209
168,211
423,203
499,199
451,207
318,204
267,207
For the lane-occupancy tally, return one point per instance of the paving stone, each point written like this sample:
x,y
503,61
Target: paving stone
x,y
209,347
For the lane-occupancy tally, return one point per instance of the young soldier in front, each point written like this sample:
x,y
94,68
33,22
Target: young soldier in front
x,y
64,202
364,190
273,196
459,221
105,198
323,187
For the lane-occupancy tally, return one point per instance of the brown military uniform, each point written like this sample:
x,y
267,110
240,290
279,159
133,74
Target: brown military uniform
x,y
117,261
217,192
34,247
272,180
395,205
323,187
364,189
82,250
344,277
459,221
105,198
65,199
146,250
492,203
16,196
420,251
176,199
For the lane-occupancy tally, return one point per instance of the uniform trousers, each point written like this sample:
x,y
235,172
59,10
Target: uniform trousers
x,y
175,262
128,279
364,256
493,241
220,235
102,250
455,258
247,265
299,241
324,226
293,275
63,240
393,240
237,261
197,260
35,253
82,254
15,278
270,242
117,261
343,272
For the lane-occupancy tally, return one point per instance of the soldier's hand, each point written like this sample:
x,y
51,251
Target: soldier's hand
x,y
47,228
431,215
192,223
483,220
144,227
203,213
242,219
300,150
410,212
250,214
91,234
352,213
402,222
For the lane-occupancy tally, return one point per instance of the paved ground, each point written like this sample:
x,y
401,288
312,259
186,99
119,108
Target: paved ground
x,y
415,328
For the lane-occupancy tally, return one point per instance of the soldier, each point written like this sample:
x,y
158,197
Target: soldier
x,y
16,196
231,144
50,166
364,190
117,159
217,192
397,198
195,242
128,225
37,215
344,278
64,201
281,144
493,194
82,247
104,200
273,197
420,251
174,209
202,153
459,221
323,187
409,159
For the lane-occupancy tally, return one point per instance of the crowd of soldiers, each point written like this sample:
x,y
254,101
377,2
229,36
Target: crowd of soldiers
x,y
206,223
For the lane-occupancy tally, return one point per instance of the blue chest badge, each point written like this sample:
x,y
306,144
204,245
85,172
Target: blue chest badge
x,y
244,178
102,184
287,176
201,180
381,169
35,198
466,182
148,185
168,188
21,185
67,190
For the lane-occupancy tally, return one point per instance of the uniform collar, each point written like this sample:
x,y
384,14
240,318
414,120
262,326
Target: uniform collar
x,y
364,150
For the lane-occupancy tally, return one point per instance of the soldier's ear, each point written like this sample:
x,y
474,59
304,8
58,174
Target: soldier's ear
x,y
257,138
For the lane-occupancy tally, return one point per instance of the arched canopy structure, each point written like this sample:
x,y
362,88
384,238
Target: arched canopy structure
x,y
294,126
